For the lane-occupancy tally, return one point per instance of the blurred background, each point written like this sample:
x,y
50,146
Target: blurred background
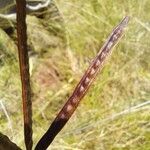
x,y
63,38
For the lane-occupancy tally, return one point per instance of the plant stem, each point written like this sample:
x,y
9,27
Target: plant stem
x,y
24,71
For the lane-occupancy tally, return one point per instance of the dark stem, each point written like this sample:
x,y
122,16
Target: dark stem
x,y
24,71
7,144
82,87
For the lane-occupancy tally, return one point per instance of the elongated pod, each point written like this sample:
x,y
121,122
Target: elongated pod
x,y
82,87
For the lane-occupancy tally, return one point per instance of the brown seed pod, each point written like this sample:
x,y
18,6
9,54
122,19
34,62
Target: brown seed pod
x,y
82,87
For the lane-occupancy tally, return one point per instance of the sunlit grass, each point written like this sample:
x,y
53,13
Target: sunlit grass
x,y
105,119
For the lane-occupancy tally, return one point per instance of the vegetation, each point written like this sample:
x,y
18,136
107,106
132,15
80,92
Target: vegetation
x,y
115,113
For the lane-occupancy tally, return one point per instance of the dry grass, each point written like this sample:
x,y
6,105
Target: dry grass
x,y
115,113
